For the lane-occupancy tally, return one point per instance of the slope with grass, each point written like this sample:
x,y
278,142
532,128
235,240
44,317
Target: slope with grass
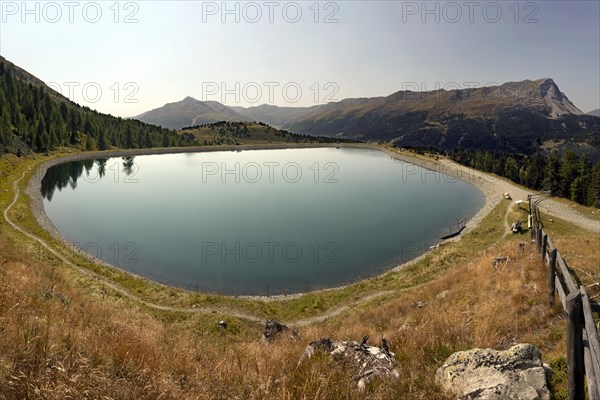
x,y
239,133
68,334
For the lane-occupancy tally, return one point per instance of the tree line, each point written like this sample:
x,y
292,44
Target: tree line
x,y
565,175
35,118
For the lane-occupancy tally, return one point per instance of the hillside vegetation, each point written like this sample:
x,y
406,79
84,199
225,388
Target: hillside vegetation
x,y
517,118
236,133
67,335
70,328
189,112
35,118
568,175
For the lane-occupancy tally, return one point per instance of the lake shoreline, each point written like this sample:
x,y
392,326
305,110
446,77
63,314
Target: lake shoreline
x,y
440,170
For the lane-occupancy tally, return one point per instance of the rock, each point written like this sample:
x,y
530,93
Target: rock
x,y
274,329
324,345
50,293
500,260
366,361
442,295
486,374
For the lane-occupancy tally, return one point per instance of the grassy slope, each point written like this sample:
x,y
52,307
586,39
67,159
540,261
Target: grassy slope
x,y
234,133
63,333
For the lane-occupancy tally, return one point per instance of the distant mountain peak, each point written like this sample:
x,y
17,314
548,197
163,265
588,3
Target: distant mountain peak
x,y
555,100
189,112
541,95
595,113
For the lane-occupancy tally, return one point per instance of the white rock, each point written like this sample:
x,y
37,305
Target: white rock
x,y
486,374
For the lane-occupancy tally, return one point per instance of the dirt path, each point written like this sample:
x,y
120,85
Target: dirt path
x,y
337,311
109,284
202,309
491,186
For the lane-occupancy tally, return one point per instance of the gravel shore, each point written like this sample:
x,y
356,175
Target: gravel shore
x,y
445,169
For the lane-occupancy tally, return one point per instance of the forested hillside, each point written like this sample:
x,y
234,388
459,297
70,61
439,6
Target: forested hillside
x,y
33,117
569,176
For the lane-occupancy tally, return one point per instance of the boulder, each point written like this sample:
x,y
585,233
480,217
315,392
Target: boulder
x,y
366,361
486,374
273,329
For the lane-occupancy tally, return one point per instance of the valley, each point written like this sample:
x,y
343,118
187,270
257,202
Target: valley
x,y
300,201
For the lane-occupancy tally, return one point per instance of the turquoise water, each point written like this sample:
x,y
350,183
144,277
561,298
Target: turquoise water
x,y
255,222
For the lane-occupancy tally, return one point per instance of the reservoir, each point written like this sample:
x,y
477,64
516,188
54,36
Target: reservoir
x,y
255,222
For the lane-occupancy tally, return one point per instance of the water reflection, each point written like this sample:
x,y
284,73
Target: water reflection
x,y
273,236
63,175
128,165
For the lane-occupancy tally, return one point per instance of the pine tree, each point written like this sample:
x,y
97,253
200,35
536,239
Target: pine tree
x,y
579,190
5,127
511,169
102,143
128,138
534,173
552,181
594,187
147,140
569,171
585,173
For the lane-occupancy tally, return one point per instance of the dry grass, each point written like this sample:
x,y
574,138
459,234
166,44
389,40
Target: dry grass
x,y
580,249
58,340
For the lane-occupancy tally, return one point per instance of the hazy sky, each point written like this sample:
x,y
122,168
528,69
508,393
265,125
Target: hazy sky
x,y
128,57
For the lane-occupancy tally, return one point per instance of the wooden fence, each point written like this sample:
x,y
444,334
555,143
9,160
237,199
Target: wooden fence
x,y
583,348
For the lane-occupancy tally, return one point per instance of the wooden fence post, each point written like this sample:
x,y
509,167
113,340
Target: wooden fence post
x,y
544,246
551,275
575,369
538,239
591,349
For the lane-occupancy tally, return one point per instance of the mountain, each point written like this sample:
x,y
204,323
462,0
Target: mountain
x,y
595,113
273,115
514,117
345,117
189,112
33,117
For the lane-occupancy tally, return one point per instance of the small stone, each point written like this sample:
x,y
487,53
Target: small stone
x,y
442,295
273,329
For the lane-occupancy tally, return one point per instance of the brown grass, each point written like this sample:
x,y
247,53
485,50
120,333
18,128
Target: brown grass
x,y
59,340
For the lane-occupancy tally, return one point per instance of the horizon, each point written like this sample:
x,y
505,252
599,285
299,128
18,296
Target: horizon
x,y
254,53
350,98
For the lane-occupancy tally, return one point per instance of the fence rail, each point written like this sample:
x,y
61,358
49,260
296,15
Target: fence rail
x,y
583,347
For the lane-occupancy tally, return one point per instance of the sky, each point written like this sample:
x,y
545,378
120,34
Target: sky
x,y
125,58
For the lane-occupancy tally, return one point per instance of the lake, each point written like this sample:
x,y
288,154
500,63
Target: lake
x,y
255,222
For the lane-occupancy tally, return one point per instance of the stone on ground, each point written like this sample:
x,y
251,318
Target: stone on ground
x,y
486,374
367,362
